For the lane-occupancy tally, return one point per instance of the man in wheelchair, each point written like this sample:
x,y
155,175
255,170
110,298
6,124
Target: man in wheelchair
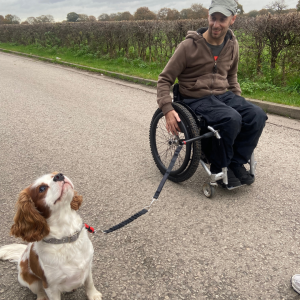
x,y
206,65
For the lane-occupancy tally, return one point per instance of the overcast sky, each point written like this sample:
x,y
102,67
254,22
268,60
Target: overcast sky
x,y
60,8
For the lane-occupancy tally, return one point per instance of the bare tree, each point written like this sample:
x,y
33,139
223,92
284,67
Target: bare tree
x,y
50,18
173,14
125,16
278,6
199,11
298,6
45,19
31,20
163,13
186,13
92,19
113,17
144,13
83,18
168,14
12,19
104,17
2,20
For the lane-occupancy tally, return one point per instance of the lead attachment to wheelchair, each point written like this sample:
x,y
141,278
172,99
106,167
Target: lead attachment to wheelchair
x,y
204,136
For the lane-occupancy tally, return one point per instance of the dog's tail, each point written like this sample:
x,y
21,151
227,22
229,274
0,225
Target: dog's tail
x,y
12,252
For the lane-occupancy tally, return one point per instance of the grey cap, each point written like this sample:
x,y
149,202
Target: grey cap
x,y
225,7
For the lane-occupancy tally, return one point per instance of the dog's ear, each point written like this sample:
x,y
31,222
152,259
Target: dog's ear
x,y
29,224
76,201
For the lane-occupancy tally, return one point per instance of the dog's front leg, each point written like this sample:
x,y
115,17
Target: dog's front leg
x,y
91,291
53,294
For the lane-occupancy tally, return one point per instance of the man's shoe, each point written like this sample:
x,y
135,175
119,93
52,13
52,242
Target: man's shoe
x,y
232,180
242,174
296,283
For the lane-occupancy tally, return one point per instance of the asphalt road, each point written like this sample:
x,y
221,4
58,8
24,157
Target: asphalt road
x,y
244,244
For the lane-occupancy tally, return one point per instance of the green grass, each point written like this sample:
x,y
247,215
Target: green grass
x,y
292,98
133,67
255,89
261,90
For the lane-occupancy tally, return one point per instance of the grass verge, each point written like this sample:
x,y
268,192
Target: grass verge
x,y
257,89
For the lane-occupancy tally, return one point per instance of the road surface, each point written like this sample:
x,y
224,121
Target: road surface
x,y
243,244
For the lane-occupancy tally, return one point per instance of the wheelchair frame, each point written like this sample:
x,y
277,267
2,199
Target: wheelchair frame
x,y
209,187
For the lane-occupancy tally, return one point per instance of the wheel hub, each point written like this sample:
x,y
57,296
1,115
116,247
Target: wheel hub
x,y
173,141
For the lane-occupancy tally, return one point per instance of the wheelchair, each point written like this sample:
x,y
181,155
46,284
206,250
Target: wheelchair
x,y
197,135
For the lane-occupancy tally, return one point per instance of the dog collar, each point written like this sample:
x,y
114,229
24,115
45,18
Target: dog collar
x,y
65,239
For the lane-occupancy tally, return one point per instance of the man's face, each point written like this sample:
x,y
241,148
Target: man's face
x,y
218,25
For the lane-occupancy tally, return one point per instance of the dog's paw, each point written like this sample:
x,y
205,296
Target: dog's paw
x,y
42,296
95,295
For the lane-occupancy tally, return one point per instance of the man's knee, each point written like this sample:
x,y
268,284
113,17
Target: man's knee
x,y
259,117
234,119
231,124
252,114
262,116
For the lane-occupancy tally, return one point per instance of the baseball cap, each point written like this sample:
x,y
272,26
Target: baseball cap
x,y
225,7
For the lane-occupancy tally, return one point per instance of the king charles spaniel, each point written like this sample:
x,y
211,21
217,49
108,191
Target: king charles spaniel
x,y
59,255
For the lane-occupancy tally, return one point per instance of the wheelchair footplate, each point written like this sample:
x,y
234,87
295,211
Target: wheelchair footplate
x,y
220,179
225,186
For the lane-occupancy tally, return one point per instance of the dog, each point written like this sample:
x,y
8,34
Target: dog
x,y
59,255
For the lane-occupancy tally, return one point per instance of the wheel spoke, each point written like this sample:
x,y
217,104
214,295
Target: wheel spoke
x,y
166,150
163,145
162,128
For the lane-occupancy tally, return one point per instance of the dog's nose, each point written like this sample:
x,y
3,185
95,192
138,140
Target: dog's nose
x,y
59,177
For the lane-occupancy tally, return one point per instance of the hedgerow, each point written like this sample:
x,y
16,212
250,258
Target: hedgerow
x,y
269,44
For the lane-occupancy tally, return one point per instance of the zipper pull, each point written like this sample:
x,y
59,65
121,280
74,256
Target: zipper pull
x,y
215,69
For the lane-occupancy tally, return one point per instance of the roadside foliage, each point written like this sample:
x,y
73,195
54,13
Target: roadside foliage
x,y
269,44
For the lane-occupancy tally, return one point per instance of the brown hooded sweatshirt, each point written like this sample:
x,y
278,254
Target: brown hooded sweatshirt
x,y
198,73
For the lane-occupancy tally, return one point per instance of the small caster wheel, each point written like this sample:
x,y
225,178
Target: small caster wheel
x,y
209,190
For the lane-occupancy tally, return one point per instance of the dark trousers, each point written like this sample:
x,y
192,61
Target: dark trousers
x,y
239,121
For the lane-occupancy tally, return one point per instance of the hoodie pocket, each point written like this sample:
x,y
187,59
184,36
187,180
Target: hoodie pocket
x,y
220,83
201,83
196,86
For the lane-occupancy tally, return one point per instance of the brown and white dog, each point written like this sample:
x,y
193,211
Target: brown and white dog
x,y
59,255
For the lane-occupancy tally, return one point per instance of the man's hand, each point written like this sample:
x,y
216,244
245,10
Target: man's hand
x,y
171,119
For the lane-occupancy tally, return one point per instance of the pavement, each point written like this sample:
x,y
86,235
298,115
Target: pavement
x,y
242,244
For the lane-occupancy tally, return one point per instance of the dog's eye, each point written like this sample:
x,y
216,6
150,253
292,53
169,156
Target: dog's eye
x,y
43,188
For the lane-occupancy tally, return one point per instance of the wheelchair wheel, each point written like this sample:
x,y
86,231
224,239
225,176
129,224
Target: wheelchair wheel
x,y
164,144
209,190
